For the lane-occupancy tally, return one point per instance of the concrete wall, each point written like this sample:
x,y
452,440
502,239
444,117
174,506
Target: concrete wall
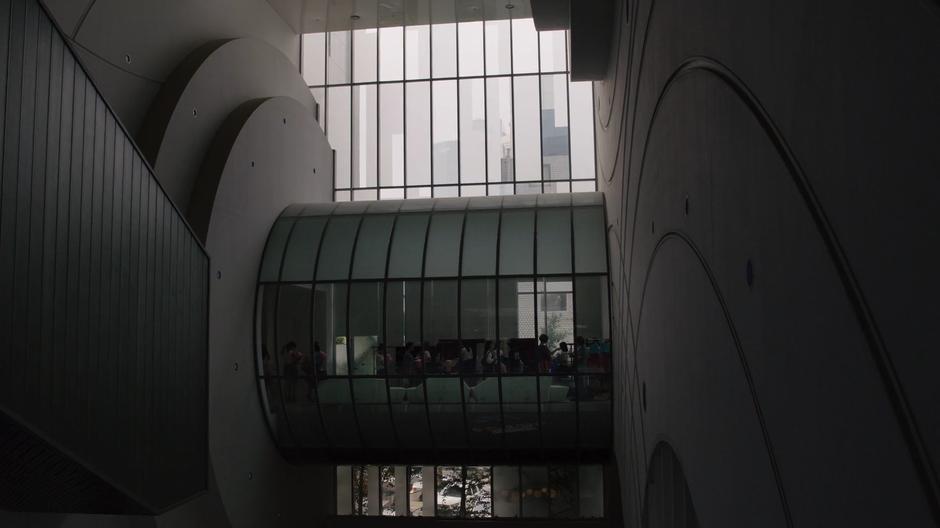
x,y
132,46
770,171
241,117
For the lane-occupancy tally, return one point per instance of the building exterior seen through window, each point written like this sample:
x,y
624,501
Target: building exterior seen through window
x,y
466,108
471,492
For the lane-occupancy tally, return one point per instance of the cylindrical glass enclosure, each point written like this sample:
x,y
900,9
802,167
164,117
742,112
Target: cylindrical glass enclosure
x,y
471,330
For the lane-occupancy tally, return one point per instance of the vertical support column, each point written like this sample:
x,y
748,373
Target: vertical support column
x,y
429,496
343,490
375,490
401,491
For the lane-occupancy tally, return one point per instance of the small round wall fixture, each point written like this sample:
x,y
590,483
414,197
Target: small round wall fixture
x,y
354,17
510,6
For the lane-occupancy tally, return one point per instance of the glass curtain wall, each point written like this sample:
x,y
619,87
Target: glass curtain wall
x,y
450,324
472,492
450,102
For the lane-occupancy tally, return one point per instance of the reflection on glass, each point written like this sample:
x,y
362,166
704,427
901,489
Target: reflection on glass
x,y
479,496
392,135
407,254
391,58
365,323
470,35
472,131
364,136
592,343
525,46
528,152
274,249
535,491
440,326
553,240
591,491
479,243
444,128
506,498
563,491
329,327
372,247
338,122
449,491
417,52
516,242
442,255
499,129
314,56
364,54
555,127
594,393
418,133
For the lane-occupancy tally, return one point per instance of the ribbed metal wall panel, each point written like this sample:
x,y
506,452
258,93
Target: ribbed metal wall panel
x,y
103,287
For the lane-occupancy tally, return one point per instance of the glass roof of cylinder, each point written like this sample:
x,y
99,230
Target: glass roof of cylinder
x,y
480,236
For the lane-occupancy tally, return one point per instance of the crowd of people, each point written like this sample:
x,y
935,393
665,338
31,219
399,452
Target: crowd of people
x,y
447,357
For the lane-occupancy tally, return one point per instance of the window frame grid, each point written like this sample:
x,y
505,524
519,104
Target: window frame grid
x,y
460,184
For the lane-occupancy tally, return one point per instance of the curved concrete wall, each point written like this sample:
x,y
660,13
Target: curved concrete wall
x,y
200,94
766,173
132,46
269,162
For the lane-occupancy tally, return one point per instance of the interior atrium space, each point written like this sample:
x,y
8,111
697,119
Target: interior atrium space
x,y
469,263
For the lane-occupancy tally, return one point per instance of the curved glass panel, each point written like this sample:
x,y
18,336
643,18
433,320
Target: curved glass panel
x,y
590,247
274,250
407,255
300,258
339,240
446,412
329,327
367,352
409,412
516,241
442,255
373,413
479,243
592,330
338,413
553,240
520,411
298,364
427,328
372,247
441,343
594,407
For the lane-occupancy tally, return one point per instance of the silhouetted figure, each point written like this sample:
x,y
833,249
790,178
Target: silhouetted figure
x,y
542,354
489,358
292,359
